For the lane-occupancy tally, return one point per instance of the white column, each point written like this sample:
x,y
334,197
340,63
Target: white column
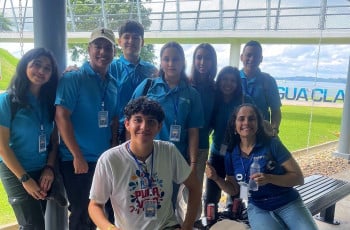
x,y
235,52
344,143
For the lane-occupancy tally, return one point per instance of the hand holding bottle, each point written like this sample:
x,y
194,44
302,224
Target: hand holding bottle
x,y
254,169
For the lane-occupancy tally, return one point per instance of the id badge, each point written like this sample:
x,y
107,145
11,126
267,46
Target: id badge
x,y
150,207
42,142
103,119
175,133
243,190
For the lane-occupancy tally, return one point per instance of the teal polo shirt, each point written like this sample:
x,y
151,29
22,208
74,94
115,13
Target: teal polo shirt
x,y
128,76
181,104
25,131
207,94
82,93
264,92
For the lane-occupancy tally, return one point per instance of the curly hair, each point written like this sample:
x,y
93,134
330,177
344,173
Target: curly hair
x,y
232,138
19,85
146,107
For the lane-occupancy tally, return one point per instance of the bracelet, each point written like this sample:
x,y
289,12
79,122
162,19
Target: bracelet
x,y
194,162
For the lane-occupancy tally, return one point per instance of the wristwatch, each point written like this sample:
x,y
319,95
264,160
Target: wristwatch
x,y
25,177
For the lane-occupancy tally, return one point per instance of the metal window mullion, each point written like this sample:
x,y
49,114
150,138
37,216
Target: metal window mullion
x,y
236,16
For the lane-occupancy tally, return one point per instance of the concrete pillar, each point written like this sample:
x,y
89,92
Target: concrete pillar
x,y
50,32
235,52
344,144
50,28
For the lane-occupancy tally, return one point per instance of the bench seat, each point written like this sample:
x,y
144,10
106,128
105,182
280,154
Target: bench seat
x,y
320,195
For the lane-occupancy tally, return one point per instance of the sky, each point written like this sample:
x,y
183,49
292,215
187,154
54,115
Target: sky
x,y
325,61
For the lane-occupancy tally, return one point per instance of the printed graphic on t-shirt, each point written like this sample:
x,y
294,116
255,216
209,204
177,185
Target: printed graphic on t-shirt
x,y
141,191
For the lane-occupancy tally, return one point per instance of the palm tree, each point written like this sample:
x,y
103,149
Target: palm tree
x,y
5,24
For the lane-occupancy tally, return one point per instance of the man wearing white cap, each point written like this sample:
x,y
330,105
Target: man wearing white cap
x,y
86,116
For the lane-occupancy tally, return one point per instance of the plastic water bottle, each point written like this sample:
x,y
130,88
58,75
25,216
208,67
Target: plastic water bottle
x,y
254,168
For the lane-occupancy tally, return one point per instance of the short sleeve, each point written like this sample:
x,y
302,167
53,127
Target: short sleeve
x,y
5,110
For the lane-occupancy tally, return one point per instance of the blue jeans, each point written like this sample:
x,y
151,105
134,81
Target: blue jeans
x,y
78,191
29,211
292,216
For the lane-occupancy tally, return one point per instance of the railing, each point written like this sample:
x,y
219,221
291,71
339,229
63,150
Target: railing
x,y
191,15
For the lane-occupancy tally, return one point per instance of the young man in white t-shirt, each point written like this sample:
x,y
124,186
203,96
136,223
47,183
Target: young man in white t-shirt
x,y
137,176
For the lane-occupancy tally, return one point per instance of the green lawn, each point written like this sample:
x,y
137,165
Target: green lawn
x,y
8,66
7,216
296,131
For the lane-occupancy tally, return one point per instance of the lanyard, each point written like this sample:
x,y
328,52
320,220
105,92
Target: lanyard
x,y
245,87
175,100
103,91
144,174
39,116
135,78
245,169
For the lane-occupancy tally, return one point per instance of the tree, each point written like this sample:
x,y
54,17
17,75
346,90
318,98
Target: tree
x,y
86,15
5,23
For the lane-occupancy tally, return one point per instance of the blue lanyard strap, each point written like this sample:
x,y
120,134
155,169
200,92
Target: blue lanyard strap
x,y
39,115
103,85
245,169
175,100
245,87
144,174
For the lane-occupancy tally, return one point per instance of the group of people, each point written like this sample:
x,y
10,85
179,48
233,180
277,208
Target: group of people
x,y
131,134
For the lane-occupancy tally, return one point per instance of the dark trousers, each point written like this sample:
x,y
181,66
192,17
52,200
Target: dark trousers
x,y
29,211
212,190
78,190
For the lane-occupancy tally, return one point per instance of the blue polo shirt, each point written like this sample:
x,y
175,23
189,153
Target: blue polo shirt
x,y
181,104
271,157
222,114
82,93
264,92
128,77
25,131
207,94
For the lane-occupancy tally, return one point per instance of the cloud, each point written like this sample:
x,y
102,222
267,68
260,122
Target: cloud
x,y
326,61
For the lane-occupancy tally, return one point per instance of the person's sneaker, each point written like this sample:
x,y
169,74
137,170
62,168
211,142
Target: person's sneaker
x,y
58,198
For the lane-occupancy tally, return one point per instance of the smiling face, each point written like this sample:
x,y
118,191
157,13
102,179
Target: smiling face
x,y
246,122
228,84
172,64
131,44
39,71
203,62
142,128
101,53
251,59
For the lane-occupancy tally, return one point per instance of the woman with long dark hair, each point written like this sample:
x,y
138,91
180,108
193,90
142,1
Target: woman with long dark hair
x,y
273,202
228,96
28,140
203,72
